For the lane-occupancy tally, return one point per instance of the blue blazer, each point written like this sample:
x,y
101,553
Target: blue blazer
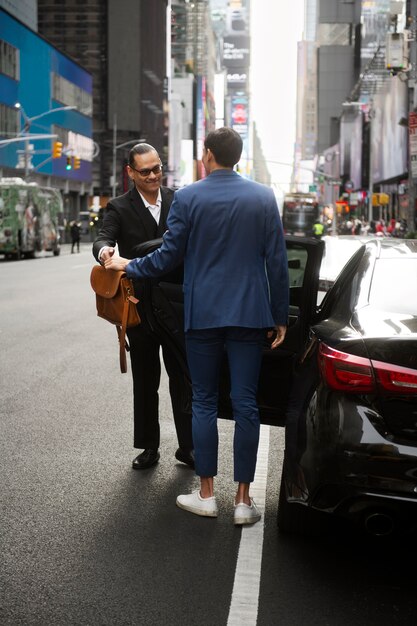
x,y
228,232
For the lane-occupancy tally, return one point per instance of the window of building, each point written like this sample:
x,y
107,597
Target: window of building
x,y
71,95
335,34
9,121
9,60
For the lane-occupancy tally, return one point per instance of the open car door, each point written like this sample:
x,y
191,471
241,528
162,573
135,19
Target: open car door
x,y
162,306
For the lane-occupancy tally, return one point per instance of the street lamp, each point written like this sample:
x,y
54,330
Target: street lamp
x,y
28,120
25,127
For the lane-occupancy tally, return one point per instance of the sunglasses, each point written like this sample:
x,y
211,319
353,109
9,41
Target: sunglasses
x,y
146,172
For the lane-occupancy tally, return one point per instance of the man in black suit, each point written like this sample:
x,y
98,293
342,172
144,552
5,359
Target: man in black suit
x,y
133,218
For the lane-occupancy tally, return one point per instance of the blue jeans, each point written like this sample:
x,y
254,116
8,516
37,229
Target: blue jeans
x,y
205,350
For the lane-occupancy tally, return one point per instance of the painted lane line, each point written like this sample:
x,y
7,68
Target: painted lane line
x,y
245,596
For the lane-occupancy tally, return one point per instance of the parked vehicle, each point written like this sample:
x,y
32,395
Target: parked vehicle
x,y
344,383
351,433
30,217
299,212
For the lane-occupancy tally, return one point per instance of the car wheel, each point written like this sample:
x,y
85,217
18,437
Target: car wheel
x,y
298,518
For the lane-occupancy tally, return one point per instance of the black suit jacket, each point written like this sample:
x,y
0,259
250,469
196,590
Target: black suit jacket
x,y
128,222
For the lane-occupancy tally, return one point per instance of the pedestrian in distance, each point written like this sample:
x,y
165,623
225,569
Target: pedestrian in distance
x,y
75,236
318,229
131,219
227,231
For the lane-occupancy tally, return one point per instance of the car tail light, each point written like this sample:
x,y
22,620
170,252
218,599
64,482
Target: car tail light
x,y
394,378
346,372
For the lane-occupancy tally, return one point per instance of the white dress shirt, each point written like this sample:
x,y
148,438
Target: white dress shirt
x,y
155,209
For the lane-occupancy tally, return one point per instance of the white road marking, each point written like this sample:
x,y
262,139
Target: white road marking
x,y
245,596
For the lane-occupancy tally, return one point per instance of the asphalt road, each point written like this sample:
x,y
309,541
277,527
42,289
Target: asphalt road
x,y
86,540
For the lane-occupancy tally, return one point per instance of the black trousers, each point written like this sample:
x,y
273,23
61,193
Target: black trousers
x,y
146,372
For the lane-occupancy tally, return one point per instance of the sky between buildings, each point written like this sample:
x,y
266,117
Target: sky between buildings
x,y
276,27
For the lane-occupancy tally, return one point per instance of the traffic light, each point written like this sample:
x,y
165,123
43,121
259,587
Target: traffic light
x,y
380,199
57,150
69,163
77,163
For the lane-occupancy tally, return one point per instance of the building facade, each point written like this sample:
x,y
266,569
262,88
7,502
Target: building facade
x,y
363,107
123,44
45,97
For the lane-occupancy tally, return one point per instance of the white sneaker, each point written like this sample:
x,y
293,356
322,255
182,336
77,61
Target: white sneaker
x,y
194,503
245,514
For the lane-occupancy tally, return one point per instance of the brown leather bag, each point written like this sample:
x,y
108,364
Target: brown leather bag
x,y
116,303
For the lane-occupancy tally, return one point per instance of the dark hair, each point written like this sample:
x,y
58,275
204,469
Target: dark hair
x,y
140,148
225,144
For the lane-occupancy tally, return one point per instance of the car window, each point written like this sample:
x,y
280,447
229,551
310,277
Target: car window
x,y
394,285
297,261
337,252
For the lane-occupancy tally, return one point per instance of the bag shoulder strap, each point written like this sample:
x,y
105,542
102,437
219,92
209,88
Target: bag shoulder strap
x,y
121,330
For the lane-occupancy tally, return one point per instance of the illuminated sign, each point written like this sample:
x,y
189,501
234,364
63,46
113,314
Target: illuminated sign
x,y
80,145
236,52
240,114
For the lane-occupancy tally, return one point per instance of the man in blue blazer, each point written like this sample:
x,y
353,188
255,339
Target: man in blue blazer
x,y
228,232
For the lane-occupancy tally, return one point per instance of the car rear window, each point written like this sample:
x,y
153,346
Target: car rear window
x,y
394,285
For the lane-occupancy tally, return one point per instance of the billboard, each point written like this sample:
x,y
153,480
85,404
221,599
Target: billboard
x,y
239,121
236,52
388,138
351,146
240,114
200,130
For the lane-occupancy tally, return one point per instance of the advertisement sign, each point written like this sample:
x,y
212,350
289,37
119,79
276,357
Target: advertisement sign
x,y
412,130
237,80
236,52
200,123
351,146
239,121
240,114
388,137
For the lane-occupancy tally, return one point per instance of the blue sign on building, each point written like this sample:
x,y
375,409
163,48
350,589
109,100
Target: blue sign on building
x,y
54,97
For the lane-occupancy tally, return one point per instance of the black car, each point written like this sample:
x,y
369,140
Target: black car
x,y
344,383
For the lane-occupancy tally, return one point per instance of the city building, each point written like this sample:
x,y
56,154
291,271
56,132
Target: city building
x,y
260,170
192,111
306,118
123,43
26,11
364,108
45,114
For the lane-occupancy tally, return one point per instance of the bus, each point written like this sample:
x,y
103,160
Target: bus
x,y
299,212
30,217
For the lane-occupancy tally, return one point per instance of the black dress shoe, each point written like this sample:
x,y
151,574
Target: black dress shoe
x,y
146,459
185,456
